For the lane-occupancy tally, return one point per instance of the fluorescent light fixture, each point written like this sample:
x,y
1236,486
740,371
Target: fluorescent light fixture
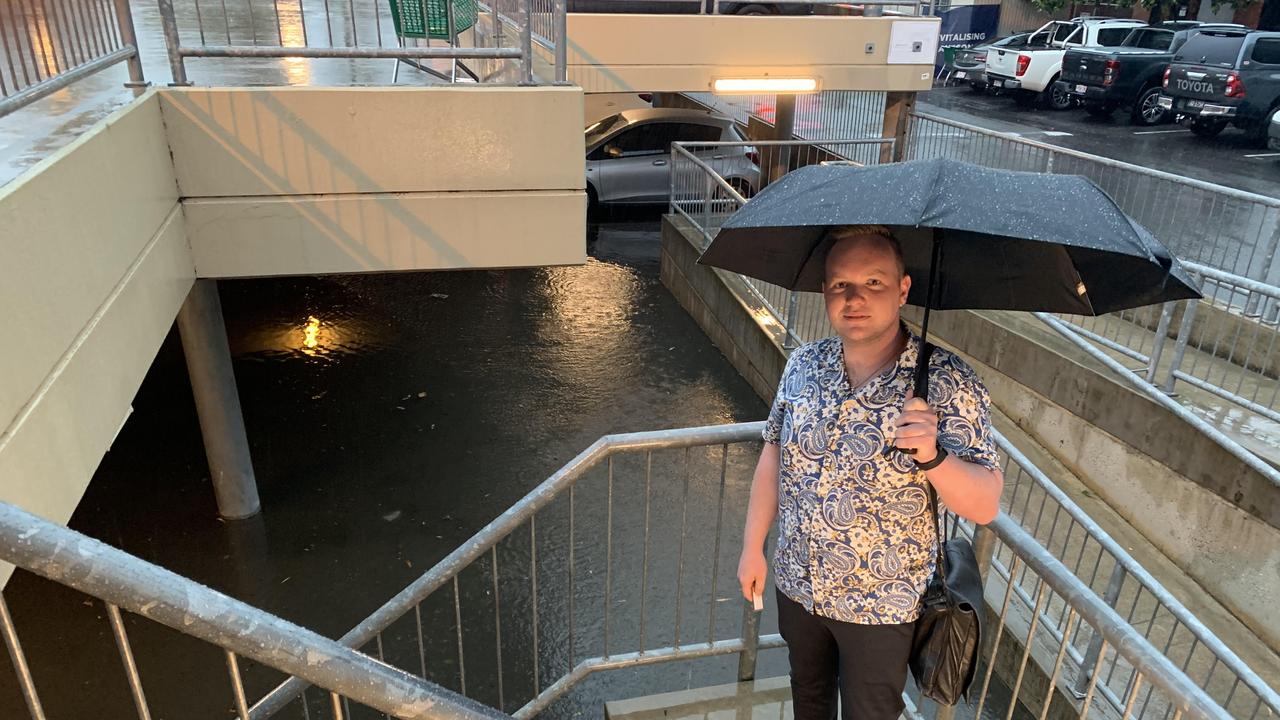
x,y
749,86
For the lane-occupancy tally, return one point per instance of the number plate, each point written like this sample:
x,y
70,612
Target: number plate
x,y
962,75
1195,104
997,83
1080,89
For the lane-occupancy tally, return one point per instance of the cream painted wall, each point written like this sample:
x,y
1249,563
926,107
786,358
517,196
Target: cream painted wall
x,y
94,265
281,181
255,237
617,52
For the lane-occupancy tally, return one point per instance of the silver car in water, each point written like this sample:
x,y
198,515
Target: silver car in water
x,y
629,154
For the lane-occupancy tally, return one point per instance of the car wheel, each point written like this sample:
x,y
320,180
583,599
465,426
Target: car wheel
x,y
593,200
1257,134
1207,128
1056,97
743,187
1147,110
1100,110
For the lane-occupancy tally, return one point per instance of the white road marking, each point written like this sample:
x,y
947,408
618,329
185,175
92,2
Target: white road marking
x,y
1057,133
1161,132
1264,155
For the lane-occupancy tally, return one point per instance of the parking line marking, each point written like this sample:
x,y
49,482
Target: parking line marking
x,y
1161,132
1264,155
1057,133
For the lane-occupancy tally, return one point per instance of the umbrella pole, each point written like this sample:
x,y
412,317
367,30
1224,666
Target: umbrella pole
x,y
922,370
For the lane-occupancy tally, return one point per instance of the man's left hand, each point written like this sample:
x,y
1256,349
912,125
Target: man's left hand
x,y
917,429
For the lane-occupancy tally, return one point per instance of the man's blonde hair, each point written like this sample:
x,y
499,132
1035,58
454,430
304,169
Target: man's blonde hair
x,y
844,232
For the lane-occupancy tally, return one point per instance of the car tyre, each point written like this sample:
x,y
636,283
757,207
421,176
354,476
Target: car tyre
x,y
1100,110
1147,110
1206,128
1257,134
1056,97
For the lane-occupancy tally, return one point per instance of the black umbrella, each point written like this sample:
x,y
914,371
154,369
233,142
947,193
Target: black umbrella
x,y
987,239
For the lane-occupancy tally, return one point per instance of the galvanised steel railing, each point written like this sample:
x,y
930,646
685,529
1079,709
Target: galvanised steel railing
x,y
620,560
46,45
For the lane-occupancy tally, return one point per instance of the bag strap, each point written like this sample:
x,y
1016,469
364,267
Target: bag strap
x,y
922,391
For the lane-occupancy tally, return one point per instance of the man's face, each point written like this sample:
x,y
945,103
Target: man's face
x,y
864,289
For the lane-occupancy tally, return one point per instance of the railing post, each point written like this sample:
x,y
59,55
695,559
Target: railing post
x,y
1111,596
526,44
750,641
174,45
1161,338
1180,348
129,36
707,195
562,41
790,340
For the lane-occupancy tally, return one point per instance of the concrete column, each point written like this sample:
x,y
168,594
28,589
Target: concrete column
x,y
204,342
897,113
784,125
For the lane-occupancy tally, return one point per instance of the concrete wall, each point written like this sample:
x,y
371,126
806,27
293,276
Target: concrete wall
x,y
617,52
1218,521
279,181
94,265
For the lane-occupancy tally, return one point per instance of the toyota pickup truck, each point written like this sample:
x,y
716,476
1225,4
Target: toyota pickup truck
x,y
1129,76
1226,77
1033,72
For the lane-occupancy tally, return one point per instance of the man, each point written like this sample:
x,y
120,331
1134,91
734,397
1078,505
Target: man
x,y
856,538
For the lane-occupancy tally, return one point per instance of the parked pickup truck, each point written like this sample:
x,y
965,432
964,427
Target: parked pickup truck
x,y
1226,77
1129,76
1034,70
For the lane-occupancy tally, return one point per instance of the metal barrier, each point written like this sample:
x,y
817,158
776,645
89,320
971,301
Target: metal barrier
x,y
621,559
829,115
368,29
702,197
46,45
121,581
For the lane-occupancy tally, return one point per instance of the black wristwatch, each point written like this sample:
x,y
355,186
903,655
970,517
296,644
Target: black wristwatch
x,y
935,462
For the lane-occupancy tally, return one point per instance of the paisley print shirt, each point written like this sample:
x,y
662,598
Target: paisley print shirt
x,y
855,536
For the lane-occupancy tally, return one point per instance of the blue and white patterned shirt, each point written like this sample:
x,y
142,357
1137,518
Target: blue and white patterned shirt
x,y
855,536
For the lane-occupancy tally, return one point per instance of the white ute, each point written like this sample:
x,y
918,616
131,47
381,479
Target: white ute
x,y
1031,72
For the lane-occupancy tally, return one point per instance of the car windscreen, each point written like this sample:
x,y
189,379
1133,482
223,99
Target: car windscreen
x,y
597,130
1211,49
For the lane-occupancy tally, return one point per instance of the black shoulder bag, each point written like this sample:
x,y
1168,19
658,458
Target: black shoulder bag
x,y
944,650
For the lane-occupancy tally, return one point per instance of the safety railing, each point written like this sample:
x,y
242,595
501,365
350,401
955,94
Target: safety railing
x,y
622,559
829,115
119,581
501,33
701,196
626,558
46,45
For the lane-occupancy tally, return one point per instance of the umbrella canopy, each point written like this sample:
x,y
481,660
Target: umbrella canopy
x,y
995,239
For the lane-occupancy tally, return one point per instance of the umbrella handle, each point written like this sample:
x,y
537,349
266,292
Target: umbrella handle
x,y
921,382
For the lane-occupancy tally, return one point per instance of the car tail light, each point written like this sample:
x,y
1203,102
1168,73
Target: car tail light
x,y
1235,88
982,57
1024,62
1111,72
1166,77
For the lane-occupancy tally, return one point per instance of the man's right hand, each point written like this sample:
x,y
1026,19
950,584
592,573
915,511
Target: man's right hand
x,y
752,570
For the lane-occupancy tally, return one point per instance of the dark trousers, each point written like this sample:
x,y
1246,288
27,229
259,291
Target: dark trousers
x,y
865,664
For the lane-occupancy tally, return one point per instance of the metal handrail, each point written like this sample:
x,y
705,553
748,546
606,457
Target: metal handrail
x,y
124,581
1124,560
1105,161
488,536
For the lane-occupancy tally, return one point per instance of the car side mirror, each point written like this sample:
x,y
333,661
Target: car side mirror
x,y
613,151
